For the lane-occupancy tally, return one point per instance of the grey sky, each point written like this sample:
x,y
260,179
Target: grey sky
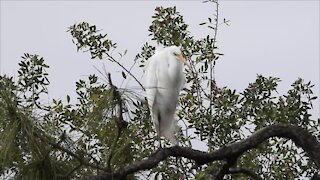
x,y
276,38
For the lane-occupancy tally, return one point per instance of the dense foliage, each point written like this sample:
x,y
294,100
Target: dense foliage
x,y
109,127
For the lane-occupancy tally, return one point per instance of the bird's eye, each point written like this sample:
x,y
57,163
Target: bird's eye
x,y
176,54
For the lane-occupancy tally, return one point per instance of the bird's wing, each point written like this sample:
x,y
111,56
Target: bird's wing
x,y
183,81
151,83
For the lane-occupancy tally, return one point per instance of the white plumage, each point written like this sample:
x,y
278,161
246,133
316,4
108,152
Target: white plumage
x,y
164,79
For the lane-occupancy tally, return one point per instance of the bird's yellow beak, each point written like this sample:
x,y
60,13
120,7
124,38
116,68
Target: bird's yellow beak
x,y
183,60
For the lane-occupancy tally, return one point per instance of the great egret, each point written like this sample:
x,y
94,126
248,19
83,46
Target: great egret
x,y
164,79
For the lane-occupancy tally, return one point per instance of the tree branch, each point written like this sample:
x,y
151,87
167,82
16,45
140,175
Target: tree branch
x,y
300,136
121,124
212,77
316,177
125,69
224,169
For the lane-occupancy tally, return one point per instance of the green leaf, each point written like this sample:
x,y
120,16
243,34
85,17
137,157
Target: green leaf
x,y
123,75
211,27
68,98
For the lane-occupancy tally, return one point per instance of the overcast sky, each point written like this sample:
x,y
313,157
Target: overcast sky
x,y
272,38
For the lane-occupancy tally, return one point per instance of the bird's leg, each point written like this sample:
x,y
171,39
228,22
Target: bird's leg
x,y
179,162
159,140
159,129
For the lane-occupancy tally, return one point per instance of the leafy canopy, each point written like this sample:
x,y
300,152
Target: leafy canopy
x,y
109,127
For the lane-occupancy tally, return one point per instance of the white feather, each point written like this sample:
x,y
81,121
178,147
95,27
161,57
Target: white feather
x,y
164,79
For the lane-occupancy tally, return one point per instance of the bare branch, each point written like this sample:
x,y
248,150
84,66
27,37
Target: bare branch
x,y
124,68
121,124
117,97
300,136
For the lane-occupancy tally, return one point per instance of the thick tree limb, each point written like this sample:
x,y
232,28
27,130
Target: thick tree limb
x,y
316,177
224,169
300,136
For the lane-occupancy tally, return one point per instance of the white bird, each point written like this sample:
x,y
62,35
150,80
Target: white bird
x,y
164,79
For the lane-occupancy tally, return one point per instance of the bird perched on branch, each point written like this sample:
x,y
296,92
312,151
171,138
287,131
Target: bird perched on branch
x,y
164,79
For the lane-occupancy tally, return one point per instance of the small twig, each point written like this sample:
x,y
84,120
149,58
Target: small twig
x,y
134,63
112,149
125,69
117,97
217,22
71,125
197,81
211,63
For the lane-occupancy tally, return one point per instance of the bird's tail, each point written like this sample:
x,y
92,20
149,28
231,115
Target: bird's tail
x,y
169,133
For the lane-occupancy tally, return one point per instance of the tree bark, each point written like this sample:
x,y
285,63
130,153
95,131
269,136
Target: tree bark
x,y
298,135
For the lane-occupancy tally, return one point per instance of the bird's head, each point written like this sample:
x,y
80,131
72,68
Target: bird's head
x,y
179,56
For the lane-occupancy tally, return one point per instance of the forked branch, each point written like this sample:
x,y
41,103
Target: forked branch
x,y
298,135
